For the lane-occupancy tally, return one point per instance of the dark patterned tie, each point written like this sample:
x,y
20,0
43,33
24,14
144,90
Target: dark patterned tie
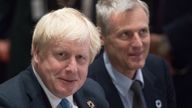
x,y
65,103
138,99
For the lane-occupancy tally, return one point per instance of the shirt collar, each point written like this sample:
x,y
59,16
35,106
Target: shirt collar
x,y
121,82
139,77
54,100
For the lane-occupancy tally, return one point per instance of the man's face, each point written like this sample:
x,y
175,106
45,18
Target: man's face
x,y
63,66
128,42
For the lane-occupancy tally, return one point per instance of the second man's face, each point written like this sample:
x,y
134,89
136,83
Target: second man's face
x,y
128,42
63,66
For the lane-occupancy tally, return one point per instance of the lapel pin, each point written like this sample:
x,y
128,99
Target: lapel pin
x,y
90,104
158,103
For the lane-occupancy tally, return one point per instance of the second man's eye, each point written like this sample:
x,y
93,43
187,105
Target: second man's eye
x,y
144,32
125,35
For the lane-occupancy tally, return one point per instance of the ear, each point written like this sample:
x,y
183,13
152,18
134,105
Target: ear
x,y
102,40
101,36
36,56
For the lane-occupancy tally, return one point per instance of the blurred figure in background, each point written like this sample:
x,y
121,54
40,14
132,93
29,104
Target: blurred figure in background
x,y
17,19
4,58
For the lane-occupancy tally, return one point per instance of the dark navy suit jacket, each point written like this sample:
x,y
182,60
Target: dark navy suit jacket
x,y
24,91
157,83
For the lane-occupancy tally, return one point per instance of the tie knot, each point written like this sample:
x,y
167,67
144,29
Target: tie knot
x,y
65,103
136,86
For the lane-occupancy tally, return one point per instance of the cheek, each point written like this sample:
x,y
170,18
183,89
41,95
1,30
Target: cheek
x,y
83,71
146,41
147,46
49,70
117,45
53,65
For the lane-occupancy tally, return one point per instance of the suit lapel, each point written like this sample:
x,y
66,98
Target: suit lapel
x,y
34,91
112,94
38,102
80,100
84,100
106,82
155,96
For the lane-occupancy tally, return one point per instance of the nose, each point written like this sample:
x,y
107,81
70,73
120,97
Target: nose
x,y
136,41
72,65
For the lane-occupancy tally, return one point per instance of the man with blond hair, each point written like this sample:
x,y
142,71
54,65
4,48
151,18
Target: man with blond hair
x,y
64,43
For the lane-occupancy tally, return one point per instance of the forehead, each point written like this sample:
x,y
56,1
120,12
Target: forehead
x,y
131,15
66,44
135,18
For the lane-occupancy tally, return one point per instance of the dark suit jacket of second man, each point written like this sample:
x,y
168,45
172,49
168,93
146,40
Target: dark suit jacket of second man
x,y
157,83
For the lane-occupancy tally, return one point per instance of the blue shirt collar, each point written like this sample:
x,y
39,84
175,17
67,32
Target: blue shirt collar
x,y
121,82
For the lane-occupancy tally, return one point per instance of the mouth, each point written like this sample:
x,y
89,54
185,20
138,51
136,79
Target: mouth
x,y
137,54
67,80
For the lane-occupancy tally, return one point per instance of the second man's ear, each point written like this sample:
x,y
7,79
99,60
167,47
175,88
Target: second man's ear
x,y
102,40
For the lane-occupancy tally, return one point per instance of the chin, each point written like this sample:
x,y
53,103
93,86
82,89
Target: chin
x,y
65,93
140,65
